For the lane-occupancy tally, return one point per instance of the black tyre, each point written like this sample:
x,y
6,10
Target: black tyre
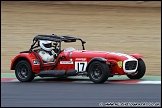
x,y
140,70
23,71
98,72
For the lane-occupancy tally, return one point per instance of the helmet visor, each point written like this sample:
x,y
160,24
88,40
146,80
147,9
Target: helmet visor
x,y
48,45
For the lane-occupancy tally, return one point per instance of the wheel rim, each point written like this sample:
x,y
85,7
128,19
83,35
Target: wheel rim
x,y
133,74
22,71
96,71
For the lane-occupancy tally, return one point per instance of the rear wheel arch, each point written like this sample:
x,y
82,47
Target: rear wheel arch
x,y
23,71
19,59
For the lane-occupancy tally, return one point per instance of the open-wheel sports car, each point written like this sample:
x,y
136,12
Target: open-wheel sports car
x,y
97,65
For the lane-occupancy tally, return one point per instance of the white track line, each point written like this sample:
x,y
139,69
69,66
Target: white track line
x,y
149,82
139,82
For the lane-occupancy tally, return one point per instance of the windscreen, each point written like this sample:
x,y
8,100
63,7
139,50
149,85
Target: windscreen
x,y
71,45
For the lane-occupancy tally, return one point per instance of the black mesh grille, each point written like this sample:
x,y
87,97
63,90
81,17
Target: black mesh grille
x,y
130,65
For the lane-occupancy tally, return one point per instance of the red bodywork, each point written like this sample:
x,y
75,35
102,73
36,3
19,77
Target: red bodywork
x,y
78,60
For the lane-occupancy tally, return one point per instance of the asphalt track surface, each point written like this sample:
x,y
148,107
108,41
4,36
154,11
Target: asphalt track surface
x,y
77,94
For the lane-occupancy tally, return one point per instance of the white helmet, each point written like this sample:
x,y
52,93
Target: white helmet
x,y
45,45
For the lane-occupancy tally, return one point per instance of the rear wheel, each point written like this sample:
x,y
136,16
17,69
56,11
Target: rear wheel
x,y
23,71
140,70
98,72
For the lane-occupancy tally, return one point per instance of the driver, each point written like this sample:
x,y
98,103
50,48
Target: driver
x,y
46,52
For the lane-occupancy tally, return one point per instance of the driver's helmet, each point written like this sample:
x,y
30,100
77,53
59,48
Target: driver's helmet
x,y
45,45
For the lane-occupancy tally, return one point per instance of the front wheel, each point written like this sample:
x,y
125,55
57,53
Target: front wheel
x,y
98,72
23,71
140,70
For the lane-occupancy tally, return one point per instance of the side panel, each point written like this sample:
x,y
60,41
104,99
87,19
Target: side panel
x,y
72,61
115,69
66,63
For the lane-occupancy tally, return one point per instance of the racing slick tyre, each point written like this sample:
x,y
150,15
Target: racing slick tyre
x,y
98,72
23,71
140,70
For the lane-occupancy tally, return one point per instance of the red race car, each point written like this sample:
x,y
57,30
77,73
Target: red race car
x,y
46,58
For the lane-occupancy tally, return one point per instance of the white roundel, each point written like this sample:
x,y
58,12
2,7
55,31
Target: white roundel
x,y
80,66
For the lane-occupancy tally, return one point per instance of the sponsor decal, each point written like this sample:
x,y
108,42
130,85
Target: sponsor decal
x,y
70,54
36,62
66,62
119,64
43,52
80,59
